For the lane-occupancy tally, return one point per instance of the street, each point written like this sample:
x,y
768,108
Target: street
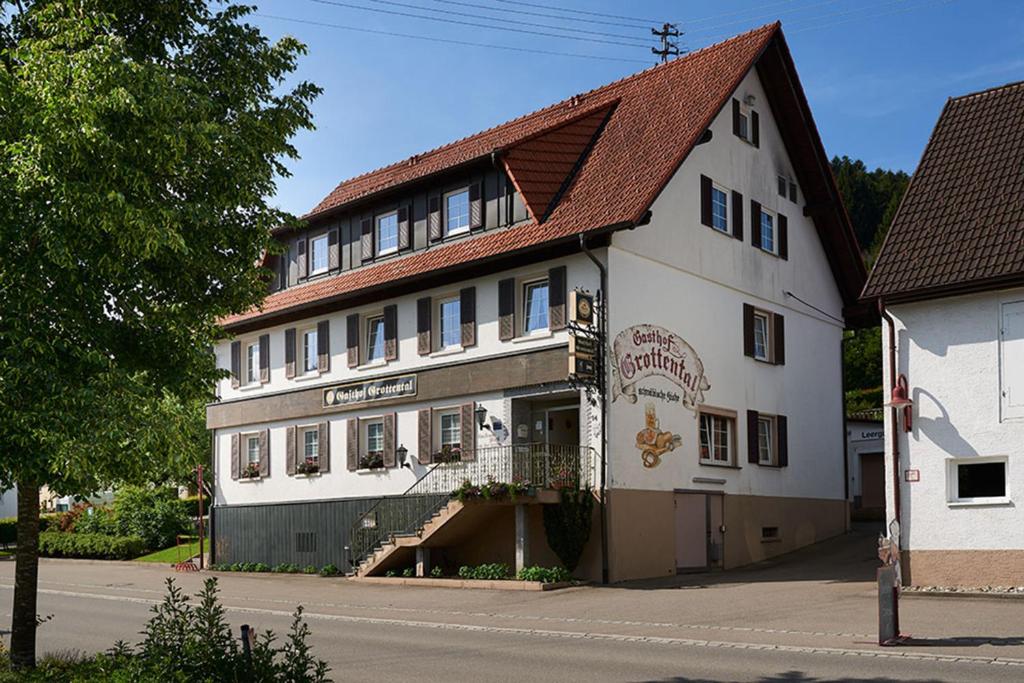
x,y
809,617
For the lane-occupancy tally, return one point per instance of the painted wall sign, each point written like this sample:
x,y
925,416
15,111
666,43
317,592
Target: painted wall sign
x,y
371,390
652,442
644,351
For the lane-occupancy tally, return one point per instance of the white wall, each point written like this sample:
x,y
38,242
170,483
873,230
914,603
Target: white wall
x,y
949,350
9,503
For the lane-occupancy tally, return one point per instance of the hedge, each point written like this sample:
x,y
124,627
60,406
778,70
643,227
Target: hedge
x,y
92,546
9,528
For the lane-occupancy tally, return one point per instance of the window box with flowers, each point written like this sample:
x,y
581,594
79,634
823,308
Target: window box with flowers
x,y
447,454
372,461
308,467
251,471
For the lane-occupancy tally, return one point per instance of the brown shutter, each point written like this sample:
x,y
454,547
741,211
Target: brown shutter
x,y
236,455
352,444
389,440
737,215
434,218
352,339
333,253
705,201
265,453
556,298
390,332
782,436
289,353
735,116
323,436
792,192
467,315
476,207
748,330
755,223
783,236
366,239
755,129
423,325
467,423
264,358
752,436
290,435
323,345
779,339
426,446
302,258
403,228
506,309
236,364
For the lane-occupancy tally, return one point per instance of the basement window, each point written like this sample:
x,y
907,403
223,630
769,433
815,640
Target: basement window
x,y
769,534
978,481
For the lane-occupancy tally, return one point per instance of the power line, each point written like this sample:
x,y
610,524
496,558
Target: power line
x,y
363,8
545,14
669,46
434,39
760,17
734,13
898,10
576,11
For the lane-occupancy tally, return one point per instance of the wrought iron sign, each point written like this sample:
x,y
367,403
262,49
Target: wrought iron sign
x,y
585,340
371,390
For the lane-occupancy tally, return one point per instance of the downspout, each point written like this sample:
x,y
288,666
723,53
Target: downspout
x,y
895,419
846,432
602,392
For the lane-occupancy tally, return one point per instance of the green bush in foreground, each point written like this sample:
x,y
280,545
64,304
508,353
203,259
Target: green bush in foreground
x,y
544,574
90,546
486,572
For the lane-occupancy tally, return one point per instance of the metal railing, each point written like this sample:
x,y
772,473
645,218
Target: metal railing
x,y
535,465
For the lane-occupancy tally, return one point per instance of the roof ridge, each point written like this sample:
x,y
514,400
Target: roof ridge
x,y
988,91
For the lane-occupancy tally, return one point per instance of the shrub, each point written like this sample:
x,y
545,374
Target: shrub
x,y
486,572
191,505
155,515
96,520
329,570
567,525
544,574
436,573
390,573
311,569
285,568
69,520
261,567
93,546
408,572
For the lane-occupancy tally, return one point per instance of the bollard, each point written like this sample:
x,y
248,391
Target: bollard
x,y
888,626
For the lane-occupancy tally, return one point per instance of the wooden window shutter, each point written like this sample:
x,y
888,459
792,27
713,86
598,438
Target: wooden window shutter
x,y
425,419
323,346
735,116
737,215
236,364
236,455
264,358
290,437
783,237
755,129
423,326
792,192
556,298
506,309
323,436
403,228
390,332
434,218
303,271
755,223
333,252
752,416
467,315
366,239
748,330
389,440
352,444
476,207
467,424
352,339
782,436
779,339
705,201
289,353
264,452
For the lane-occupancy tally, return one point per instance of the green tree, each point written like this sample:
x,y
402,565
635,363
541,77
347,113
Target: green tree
x,y
138,145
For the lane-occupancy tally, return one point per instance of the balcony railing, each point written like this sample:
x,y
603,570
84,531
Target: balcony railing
x,y
537,465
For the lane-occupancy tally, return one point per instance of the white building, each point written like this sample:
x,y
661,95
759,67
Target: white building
x,y
865,453
424,307
950,277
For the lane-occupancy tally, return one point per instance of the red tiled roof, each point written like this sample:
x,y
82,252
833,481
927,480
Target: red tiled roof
x,y
960,226
656,118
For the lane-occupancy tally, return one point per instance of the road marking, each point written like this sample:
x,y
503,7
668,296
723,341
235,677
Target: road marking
x,y
575,635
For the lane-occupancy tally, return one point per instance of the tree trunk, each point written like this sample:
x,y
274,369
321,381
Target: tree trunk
x,y
26,580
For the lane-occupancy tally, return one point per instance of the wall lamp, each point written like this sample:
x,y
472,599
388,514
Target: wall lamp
x,y
481,417
402,453
900,399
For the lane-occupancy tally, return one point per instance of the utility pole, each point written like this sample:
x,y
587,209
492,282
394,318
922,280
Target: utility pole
x,y
669,47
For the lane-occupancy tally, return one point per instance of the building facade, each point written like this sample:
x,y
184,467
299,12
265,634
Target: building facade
x,y
865,453
951,284
420,330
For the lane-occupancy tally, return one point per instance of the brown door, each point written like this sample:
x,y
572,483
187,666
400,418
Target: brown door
x,y
872,481
691,531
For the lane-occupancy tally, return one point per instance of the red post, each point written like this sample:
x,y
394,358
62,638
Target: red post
x,y
200,478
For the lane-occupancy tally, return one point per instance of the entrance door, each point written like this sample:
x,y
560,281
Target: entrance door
x,y
872,481
691,531
564,426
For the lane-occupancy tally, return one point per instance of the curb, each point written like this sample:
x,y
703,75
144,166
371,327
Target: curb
x,y
502,585
963,595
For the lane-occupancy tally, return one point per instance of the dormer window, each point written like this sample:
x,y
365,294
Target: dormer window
x,y
387,233
456,212
318,255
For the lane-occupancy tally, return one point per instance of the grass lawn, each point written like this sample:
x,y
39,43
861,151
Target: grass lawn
x,y
172,555
6,553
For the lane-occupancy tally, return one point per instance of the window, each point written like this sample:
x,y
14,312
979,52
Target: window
x,y
252,363
451,431
978,480
375,438
449,327
716,439
310,360
719,209
535,306
318,255
769,533
387,233
766,441
375,339
252,449
782,186
744,129
311,445
1011,357
768,231
762,336
456,212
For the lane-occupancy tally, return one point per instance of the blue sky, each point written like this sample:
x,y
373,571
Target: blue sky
x,y
876,72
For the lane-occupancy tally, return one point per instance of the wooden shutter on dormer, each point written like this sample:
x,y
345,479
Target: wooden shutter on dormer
x,y
705,201
352,444
467,315
323,345
434,218
423,325
467,424
323,437
390,425
264,453
752,417
748,330
476,207
755,129
755,223
783,237
556,298
303,271
289,353
290,446
735,117
425,419
506,309
333,252
782,436
366,239
352,339
236,455
264,358
390,332
236,364
779,339
403,228
737,215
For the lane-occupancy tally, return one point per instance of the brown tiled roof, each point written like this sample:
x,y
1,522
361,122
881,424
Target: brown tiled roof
x,y
961,224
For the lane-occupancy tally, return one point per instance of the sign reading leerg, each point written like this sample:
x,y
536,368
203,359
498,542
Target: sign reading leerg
x,y
371,390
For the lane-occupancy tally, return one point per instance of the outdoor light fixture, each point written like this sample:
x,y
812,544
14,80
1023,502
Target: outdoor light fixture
x,y
402,453
481,417
901,400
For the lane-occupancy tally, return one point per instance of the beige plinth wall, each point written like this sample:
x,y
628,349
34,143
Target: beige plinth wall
x,y
968,568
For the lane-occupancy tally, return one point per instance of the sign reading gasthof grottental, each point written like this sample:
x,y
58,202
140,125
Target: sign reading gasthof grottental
x,y
371,390
644,351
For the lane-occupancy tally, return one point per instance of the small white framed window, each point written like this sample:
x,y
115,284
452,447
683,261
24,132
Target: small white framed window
x,y
318,259
311,445
252,363
978,481
387,233
766,440
719,208
768,241
716,438
374,438
762,336
374,338
450,429
744,125
456,212
535,306
449,328
310,358
252,449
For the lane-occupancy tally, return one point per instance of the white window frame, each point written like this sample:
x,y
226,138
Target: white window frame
x,y
309,355
379,219
744,123
766,356
772,459
527,286
439,420
313,241
252,363
366,424
953,497
774,221
715,416
315,431
715,187
457,332
1007,412
368,324
448,230
250,439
